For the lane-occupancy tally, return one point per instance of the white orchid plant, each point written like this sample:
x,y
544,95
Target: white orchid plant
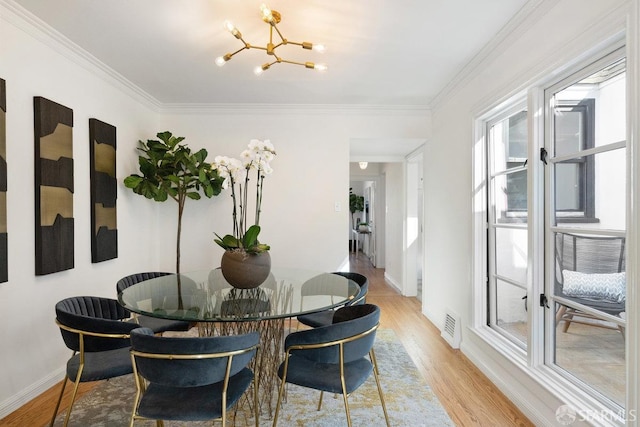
x,y
255,160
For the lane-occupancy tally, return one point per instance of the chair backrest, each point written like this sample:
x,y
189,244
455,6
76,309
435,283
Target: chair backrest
x,y
323,285
190,362
590,254
132,279
362,281
94,315
354,326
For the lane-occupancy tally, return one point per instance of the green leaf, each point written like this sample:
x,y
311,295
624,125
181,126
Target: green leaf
x,y
161,195
228,242
193,195
208,190
251,236
132,181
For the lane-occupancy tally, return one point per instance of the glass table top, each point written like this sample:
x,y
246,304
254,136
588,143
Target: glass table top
x,y
205,296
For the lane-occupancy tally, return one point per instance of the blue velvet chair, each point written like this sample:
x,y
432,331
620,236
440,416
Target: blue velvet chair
x,y
156,324
93,329
191,379
324,318
333,358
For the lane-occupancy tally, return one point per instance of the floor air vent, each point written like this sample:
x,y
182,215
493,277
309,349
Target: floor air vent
x,y
451,330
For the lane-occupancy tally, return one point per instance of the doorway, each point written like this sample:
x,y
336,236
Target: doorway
x,y
414,227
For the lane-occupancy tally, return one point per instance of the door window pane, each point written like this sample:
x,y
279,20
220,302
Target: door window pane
x,y
603,196
507,157
511,254
587,231
511,310
509,142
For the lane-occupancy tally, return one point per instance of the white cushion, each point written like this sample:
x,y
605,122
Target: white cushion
x,y
607,287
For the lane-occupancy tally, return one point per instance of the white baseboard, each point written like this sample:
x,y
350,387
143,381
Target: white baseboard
x,y
28,394
392,282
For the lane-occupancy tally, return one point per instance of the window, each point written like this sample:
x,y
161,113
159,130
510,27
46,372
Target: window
x,y
586,229
551,193
507,230
574,128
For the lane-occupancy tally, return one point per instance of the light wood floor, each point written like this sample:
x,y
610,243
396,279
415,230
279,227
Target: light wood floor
x,y
467,395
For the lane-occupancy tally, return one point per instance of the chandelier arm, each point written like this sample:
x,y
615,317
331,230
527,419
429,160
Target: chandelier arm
x,y
238,51
247,45
273,26
294,62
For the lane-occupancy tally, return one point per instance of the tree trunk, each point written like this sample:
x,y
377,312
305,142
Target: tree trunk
x,y
181,201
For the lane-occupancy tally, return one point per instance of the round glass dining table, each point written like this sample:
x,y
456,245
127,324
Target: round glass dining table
x,y
208,300
205,296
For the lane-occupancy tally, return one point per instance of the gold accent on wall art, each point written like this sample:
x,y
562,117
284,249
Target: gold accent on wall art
x,y
105,158
3,132
56,145
3,211
105,217
55,201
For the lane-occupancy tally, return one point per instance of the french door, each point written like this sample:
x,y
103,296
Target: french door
x,y
585,228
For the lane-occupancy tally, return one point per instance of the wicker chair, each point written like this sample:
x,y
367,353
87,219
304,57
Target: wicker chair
x,y
589,273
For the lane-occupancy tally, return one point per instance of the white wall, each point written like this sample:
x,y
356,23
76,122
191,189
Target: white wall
x,y
311,173
536,49
32,355
394,223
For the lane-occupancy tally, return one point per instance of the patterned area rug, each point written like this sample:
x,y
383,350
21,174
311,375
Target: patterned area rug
x,y
409,399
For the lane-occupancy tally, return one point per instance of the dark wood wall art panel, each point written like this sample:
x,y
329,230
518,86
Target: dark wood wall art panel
x,y
104,230
53,125
4,252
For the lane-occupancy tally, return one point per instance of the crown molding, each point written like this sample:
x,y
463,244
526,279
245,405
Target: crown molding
x,y
517,26
24,20
352,109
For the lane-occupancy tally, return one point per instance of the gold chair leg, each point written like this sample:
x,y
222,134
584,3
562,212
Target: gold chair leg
x,y
346,405
376,375
281,391
256,411
320,401
76,384
55,411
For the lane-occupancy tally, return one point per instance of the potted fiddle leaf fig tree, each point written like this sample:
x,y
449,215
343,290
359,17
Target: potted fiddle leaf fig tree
x,y
356,204
170,170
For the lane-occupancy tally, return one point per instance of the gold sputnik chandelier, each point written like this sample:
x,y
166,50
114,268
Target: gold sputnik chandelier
x,y
272,18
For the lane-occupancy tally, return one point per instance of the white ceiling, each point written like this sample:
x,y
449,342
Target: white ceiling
x,y
380,53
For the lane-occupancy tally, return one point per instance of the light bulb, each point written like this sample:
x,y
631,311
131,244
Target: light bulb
x,y
319,47
261,68
220,61
266,13
320,67
228,25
